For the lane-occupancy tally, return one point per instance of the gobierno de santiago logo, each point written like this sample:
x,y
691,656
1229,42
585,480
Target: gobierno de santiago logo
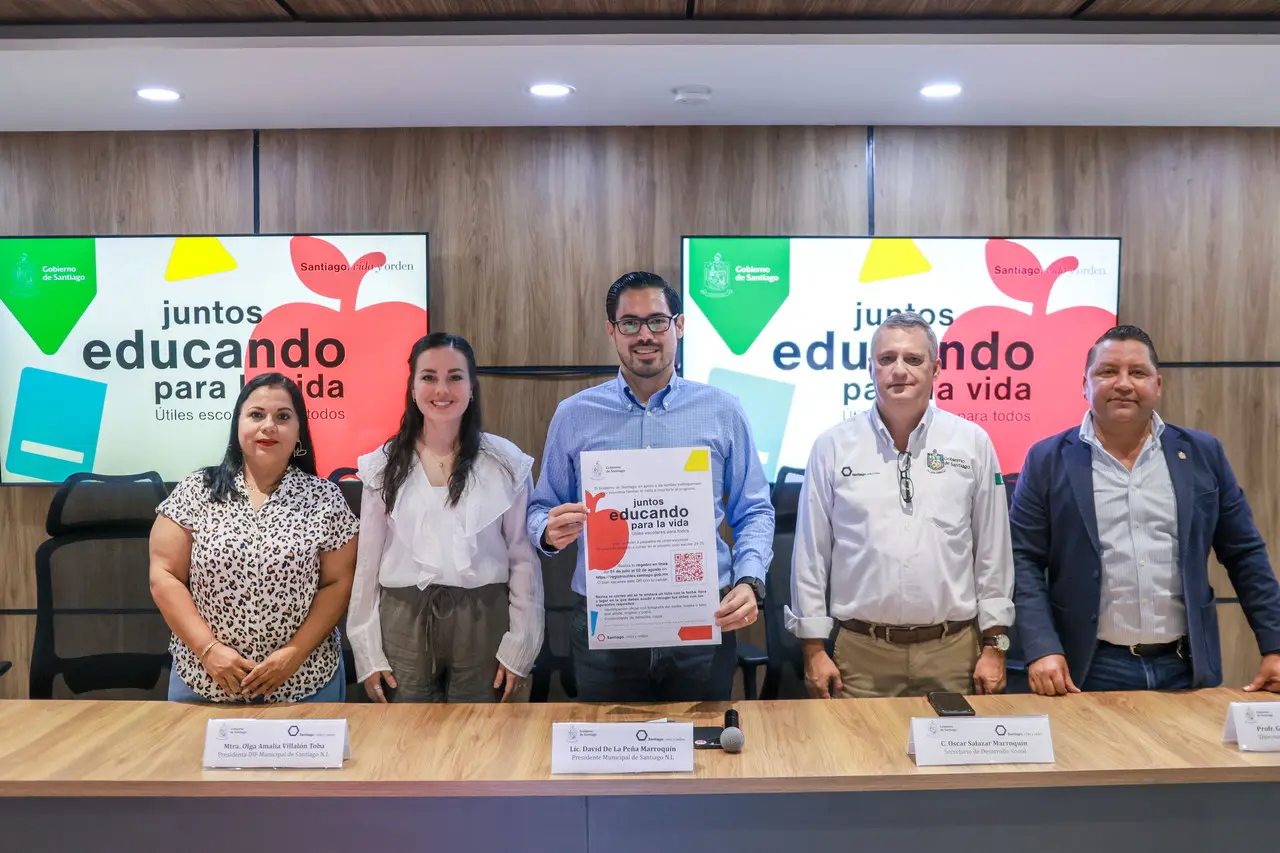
x,y
715,278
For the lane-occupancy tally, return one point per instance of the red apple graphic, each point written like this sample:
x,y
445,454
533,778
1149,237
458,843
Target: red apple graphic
x,y
1018,375
607,535
349,363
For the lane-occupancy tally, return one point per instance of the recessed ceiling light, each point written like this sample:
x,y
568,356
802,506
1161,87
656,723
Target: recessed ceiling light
x,y
550,90
941,90
156,94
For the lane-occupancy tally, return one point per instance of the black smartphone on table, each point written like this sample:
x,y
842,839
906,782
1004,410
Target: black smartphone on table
x,y
707,737
950,705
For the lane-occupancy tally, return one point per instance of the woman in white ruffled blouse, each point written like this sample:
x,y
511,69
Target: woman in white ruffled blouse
x,y
447,604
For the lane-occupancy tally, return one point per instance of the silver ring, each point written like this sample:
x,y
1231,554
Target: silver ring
x,y
377,687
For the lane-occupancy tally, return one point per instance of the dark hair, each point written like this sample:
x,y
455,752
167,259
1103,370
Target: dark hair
x,y
401,448
220,479
1123,333
640,281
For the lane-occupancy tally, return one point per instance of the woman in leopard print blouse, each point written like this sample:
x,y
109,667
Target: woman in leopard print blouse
x,y
252,563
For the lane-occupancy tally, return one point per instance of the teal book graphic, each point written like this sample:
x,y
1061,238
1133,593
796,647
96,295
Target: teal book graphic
x,y
56,422
767,403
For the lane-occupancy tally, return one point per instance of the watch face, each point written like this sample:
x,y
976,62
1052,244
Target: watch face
x,y
1002,642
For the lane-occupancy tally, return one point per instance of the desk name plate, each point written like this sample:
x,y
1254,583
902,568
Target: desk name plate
x,y
1253,726
247,743
654,747
981,740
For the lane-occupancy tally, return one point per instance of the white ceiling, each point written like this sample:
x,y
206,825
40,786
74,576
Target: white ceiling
x,y
89,84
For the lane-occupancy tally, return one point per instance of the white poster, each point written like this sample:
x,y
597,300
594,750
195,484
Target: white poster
x,y
652,576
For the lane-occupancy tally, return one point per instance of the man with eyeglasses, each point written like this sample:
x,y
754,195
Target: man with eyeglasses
x,y
903,525
647,405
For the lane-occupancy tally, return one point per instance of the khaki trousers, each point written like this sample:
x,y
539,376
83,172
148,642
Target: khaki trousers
x,y
442,642
871,667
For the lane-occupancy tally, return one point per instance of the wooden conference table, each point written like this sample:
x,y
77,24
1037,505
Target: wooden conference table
x,y
1133,771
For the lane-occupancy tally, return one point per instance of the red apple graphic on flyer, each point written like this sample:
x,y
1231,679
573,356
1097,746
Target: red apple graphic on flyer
x,y
1018,375
607,535
349,363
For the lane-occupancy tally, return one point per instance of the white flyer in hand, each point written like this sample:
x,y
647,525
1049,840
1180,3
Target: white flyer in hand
x,y
650,538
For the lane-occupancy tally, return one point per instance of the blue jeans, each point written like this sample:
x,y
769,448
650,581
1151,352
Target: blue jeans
x,y
681,674
1116,668
335,690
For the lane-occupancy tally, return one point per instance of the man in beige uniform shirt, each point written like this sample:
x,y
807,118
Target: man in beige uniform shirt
x,y
903,522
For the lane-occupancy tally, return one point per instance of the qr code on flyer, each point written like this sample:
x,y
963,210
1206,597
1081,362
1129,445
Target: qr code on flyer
x,y
689,568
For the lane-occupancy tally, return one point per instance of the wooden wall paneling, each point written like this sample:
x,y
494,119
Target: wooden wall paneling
x,y
509,401
104,183
1182,8
808,181
1241,406
529,226
1240,655
480,9
17,633
118,11
126,183
22,516
884,8
1193,207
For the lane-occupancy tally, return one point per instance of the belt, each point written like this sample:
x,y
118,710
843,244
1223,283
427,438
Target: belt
x,y
1154,650
904,636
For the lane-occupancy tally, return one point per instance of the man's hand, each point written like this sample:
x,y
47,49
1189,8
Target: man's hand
x,y
1049,676
821,675
989,674
1268,675
738,609
564,525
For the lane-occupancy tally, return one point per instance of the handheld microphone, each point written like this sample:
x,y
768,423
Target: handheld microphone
x,y
731,739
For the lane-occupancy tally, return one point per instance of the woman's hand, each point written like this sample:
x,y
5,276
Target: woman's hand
x,y
227,668
266,677
508,681
373,685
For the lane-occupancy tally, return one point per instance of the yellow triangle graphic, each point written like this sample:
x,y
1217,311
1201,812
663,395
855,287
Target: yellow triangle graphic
x,y
892,258
699,460
196,256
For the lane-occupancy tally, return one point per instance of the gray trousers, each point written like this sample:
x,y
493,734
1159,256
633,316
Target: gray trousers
x,y
442,641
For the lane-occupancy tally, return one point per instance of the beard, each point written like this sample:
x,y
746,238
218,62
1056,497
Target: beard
x,y
648,369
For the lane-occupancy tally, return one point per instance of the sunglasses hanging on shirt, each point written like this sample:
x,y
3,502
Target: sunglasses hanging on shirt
x,y
906,489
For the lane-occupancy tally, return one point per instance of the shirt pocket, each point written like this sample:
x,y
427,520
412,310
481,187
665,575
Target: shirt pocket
x,y
949,502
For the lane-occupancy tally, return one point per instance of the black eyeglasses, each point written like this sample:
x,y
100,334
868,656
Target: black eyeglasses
x,y
906,489
657,324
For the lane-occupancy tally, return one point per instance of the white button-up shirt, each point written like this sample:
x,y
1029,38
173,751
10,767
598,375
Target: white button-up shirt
x,y
945,556
1137,513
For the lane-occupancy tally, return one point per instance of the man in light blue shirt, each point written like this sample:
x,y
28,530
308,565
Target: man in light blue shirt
x,y
647,405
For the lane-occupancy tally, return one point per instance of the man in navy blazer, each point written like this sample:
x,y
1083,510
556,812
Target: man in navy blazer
x,y
1112,523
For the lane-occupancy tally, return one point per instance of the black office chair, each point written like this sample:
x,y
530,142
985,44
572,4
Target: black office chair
x,y
98,630
5,666
784,670
560,601
351,487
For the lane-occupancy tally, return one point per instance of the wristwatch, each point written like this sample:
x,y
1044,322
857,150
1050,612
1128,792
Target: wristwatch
x,y
757,586
1000,642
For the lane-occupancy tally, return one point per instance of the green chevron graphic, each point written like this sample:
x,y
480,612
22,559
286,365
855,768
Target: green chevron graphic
x,y
739,283
48,284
